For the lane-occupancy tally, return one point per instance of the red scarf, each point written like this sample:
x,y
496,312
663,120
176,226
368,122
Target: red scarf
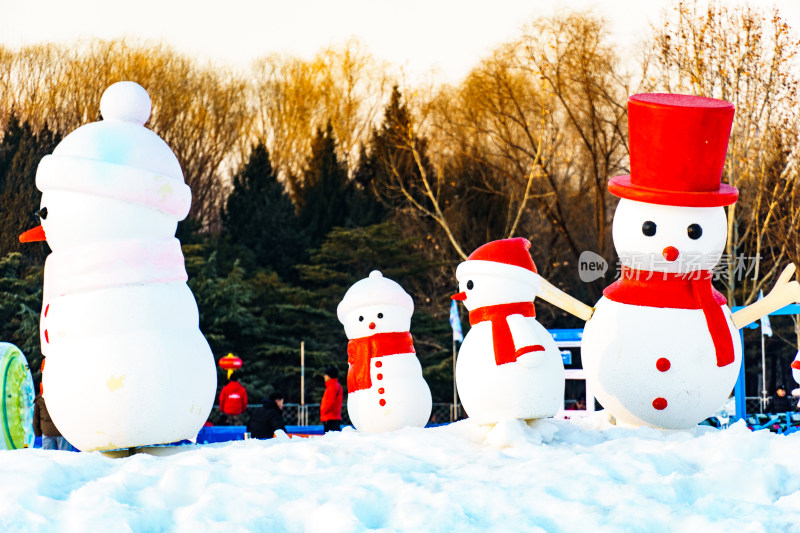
x,y
361,351
502,340
677,291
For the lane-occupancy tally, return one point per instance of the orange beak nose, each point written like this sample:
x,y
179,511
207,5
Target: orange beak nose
x,y
372,325
796,365
460,296
670,253
33,235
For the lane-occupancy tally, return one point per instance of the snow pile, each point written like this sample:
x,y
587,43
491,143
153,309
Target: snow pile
x,y
554,475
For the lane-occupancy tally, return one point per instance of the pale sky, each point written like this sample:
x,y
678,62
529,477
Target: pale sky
x,y
448,36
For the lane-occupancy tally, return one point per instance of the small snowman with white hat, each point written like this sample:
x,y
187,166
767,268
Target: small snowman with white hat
x,y
509,366
385,386
127,365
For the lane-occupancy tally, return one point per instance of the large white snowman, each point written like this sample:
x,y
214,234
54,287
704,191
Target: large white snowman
x,y
509,366
385,386
127,365
661,348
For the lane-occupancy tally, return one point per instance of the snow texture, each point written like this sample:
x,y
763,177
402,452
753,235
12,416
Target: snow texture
x,y
554,475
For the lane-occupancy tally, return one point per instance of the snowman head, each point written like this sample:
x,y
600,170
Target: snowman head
x,y
499,272
375,305
110,180
666,238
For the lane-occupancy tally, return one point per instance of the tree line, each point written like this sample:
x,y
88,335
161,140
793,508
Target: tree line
x,y
308,174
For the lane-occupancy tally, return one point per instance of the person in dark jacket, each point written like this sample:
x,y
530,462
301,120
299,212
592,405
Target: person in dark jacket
x,y
330,409
44,427
268,418
780,403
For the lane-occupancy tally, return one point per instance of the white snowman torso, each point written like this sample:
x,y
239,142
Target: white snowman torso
x,y
386,388
656,366
127,364
531,387
398,397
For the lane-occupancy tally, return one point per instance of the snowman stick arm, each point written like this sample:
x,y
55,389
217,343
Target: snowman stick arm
x,y
552,294
783,293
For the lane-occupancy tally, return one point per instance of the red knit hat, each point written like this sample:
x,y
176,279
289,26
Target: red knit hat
x,y
509,258
678,144
509,251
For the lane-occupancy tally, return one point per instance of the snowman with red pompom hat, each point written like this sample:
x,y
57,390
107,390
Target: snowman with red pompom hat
x,y
385,386
509,367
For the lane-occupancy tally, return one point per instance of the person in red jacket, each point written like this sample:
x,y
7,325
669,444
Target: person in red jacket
x,y
233,401
330,410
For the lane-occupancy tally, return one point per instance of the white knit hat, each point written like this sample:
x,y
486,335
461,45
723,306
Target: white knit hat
x,y
118,157
374,290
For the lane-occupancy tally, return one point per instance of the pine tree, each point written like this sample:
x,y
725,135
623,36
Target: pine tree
x,y
20,305
260,216
323,197
390,168
364,203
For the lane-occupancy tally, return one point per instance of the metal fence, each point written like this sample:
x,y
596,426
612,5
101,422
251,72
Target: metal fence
x,y
441,413
308,414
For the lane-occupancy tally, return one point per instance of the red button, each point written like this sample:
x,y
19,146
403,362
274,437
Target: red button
x,y
381,390
379,376
46,309
382,402
46,336
378,364
660,404
663,364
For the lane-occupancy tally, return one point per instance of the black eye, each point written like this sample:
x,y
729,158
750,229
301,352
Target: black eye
x,y
694,231
361,319
470,285
649,228
380,315
42,213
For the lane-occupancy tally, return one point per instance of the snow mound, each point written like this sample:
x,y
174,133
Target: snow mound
x,y
550,475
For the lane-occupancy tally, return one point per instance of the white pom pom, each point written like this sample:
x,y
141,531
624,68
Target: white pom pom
x,y
126,101
375,274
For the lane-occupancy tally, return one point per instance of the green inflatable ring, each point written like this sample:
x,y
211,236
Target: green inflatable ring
x,y
16,409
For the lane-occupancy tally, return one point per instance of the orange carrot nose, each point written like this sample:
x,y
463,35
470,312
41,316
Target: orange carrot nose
x,y
33,235
460,296
796,365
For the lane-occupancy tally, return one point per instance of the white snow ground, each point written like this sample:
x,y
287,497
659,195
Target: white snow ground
x,y
585,476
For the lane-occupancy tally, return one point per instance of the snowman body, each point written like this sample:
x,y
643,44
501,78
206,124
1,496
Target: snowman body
x,y
532,387
652,364
126,362
376,314
526,381
634,355
397,380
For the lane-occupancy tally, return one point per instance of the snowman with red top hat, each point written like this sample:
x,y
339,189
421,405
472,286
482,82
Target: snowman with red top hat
x,y
385,386
661,348
509,366
127,365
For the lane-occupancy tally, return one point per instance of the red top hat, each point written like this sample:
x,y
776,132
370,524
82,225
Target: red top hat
x,y
678,144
